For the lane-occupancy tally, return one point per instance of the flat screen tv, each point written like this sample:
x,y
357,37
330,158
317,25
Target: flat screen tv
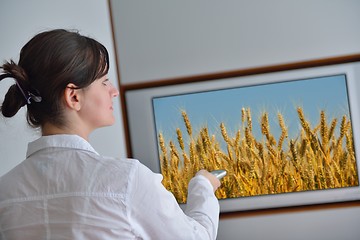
x,y
286,138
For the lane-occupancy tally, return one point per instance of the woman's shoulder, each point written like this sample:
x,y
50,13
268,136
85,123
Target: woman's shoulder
x,y
127,166
134,169
117,165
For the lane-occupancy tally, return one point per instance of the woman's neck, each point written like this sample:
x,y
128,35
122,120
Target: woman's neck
x,y
51,129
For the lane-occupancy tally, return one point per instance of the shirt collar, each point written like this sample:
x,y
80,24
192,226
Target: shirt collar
x,y
59,140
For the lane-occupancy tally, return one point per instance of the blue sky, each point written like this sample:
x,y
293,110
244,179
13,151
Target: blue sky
x,y
211,108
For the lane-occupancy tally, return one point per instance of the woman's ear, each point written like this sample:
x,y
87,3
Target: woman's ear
x,y
73,97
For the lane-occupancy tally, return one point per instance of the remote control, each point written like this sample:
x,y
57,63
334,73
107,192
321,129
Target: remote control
x,y
219,174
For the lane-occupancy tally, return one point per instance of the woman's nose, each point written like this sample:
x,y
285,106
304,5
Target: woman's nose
x,y
114,91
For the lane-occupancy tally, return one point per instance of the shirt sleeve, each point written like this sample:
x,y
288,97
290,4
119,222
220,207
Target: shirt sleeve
x,y
154,213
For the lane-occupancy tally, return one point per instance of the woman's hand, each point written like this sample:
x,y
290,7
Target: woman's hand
x,y
213,180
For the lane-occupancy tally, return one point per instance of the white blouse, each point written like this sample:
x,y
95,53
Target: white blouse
x,y
66,190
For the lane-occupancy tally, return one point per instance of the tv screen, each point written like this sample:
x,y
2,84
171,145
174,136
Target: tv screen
x,y
285,138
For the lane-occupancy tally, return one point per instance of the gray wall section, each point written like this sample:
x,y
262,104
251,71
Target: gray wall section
x,y
163,39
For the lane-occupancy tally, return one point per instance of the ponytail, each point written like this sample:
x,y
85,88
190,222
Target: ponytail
x,y
20,93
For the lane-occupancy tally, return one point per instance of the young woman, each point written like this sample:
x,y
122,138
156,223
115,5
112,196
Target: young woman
x,y
64,189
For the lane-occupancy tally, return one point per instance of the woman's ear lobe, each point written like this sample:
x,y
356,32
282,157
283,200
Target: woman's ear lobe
x,y
72,97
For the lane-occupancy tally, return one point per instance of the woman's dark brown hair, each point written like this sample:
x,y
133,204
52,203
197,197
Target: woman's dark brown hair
x,y
47,64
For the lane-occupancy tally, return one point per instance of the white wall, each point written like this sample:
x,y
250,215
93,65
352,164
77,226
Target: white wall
x,y
162,39
21,20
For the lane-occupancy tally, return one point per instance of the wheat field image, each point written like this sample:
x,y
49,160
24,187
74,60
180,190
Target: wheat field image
x,y
267,152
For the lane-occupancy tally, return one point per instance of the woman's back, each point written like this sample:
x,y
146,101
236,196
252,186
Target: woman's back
x,y
64,188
